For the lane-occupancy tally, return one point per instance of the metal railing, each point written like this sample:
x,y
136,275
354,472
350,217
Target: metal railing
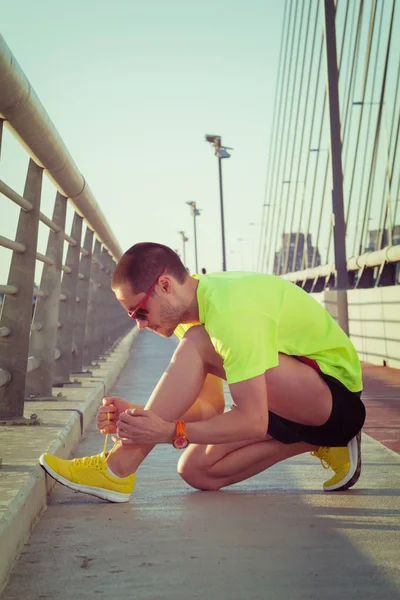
x,y
372,269
49,334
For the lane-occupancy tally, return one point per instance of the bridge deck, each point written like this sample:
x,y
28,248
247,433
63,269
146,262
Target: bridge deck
x,y
276,536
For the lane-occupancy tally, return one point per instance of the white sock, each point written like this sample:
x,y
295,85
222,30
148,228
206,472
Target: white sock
x,y
113,474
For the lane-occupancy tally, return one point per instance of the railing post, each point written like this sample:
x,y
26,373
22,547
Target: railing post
x,y
98,309
43,341
90,333
17,309
104,287
68,306
82,306
111,301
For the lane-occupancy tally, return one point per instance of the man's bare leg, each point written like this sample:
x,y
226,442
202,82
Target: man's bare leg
x,y
292,390
215,466
209,403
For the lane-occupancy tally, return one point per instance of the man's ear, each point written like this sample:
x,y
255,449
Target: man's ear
x,y
166,284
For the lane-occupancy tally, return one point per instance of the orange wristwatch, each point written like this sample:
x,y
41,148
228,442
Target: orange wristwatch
x,y
180,440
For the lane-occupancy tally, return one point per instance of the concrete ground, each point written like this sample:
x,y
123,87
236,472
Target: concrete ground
x,y
275,536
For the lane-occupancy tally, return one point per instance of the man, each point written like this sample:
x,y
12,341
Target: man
x,y
294,377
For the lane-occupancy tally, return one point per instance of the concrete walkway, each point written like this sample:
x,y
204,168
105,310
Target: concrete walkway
x,y
276,536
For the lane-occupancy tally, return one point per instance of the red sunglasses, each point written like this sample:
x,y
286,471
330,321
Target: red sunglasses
x,y
140,313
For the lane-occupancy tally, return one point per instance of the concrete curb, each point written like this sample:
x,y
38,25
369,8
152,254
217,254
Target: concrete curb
x,y
30,499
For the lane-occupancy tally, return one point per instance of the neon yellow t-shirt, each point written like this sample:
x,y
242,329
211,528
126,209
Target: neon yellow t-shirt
x,y
250,317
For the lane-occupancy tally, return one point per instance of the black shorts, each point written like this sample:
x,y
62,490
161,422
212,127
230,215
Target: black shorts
x,y
346,420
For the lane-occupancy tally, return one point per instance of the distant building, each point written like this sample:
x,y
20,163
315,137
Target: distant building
x,y
287,250
374,235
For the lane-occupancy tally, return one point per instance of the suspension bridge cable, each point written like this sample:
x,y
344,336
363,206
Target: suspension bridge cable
x,y
273,137
348,111
274,150
365,80
296,126
395,153
304,120
385,207
288,129
298,120
282,136
397,195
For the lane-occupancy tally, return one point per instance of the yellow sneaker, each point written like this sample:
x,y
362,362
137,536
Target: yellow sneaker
x,y
90,476
344,461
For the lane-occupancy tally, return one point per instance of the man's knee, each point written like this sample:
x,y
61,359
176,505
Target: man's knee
x,y
192,467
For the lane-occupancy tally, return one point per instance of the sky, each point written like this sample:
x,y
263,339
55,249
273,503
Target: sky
x,y
133,88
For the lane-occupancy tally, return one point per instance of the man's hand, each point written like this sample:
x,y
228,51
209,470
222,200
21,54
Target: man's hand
x,y
109,413
139,427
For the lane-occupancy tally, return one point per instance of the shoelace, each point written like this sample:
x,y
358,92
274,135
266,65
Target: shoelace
x,y
107,455
322,454
88,461
96,461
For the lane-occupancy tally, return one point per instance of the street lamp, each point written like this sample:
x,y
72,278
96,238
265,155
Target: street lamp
x,y
184,240
221,152
195,213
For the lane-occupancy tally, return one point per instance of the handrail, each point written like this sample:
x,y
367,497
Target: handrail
x,y
51,331
26,116
390,254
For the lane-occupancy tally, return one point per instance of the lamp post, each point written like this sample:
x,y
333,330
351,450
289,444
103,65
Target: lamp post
x,y
195,213
184,240
220,152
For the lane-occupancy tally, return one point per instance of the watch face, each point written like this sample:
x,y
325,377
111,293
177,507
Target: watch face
x,y
181,442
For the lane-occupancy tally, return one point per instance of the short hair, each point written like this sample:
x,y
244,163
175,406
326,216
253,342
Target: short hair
x,y
143,263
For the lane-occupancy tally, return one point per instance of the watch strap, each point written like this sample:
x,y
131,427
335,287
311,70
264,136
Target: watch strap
x,y
180,429
180,439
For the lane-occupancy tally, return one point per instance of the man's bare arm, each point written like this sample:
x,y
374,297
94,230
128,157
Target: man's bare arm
x,y
248,420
